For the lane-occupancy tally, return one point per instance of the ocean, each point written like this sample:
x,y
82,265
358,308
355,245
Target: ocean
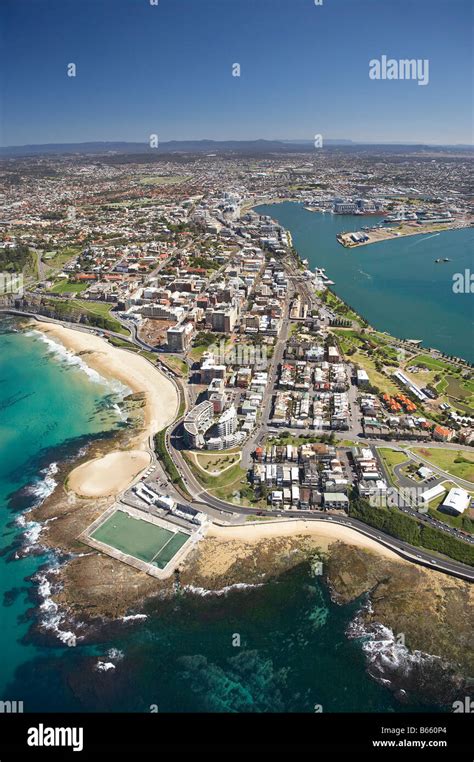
x,y
395,285
179,654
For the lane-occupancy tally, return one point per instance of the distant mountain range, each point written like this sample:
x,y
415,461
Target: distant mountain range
x,y
170,146
203,146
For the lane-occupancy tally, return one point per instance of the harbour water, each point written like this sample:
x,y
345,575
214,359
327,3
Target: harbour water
x,y
396,285
178,654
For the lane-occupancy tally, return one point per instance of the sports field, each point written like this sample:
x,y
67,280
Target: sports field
x,y
140,538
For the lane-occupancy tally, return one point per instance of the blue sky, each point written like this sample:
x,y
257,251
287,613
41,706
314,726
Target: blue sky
x,y
167,69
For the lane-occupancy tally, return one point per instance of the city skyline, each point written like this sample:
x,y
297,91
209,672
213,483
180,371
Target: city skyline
x,y
169,70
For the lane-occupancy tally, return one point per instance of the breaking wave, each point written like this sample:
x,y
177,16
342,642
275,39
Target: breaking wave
x,y
50,616
45,485
133,617
114,655
223,591
66,356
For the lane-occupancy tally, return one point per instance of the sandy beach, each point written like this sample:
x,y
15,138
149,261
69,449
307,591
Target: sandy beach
x,y
103,477
324,533
111,474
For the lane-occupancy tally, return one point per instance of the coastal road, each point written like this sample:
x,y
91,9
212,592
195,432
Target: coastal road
x,y
201,497
414,554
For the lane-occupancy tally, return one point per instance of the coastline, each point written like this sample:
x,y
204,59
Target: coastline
x,y
322,534
94,478
94,588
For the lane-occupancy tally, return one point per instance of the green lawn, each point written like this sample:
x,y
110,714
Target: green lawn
x,y
209,461
66,287
121,343
231,486
197,352
96,308
432,362
376,378
456,462
176,364
61,257
102,309
391,458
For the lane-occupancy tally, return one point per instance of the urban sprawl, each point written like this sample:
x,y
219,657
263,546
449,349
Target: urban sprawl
x,y
291,402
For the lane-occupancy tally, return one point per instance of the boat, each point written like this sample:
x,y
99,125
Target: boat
x,y
446,259
437,260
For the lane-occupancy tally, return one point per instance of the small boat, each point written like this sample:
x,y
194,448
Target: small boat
x,y
437,260
446,259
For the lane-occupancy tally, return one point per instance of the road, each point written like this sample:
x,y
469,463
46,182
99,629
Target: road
x,y
201,497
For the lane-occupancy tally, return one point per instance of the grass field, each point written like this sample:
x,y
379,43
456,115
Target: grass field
x,y
60,258
216,462
456,462
432,362
102,309
391,458
375,377
140,539
231,485
95,308
176,364
447,380
66,287
197,352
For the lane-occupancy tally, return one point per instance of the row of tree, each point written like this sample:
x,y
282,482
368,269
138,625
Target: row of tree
x,y
410,530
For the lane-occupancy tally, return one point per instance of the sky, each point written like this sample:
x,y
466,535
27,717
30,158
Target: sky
x,y
167,70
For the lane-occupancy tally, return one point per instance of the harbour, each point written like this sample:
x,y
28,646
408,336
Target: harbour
x,y
395,285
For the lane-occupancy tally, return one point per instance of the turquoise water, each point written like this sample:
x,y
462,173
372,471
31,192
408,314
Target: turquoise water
x,y
50,408
178,655
395,285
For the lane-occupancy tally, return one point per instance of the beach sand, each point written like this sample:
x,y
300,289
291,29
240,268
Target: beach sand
x,y
112,473
323,533
108,475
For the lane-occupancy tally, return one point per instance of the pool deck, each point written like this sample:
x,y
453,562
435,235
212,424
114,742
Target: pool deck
x,y
144,566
